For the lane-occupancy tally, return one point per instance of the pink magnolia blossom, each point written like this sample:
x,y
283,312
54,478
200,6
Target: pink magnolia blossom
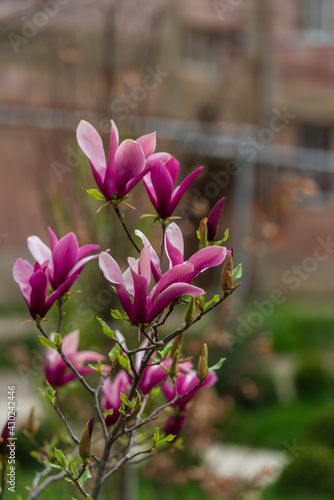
x,y
186,381
34,285
64,260
111,395
126,164
57,372
146,306
160,180
174,246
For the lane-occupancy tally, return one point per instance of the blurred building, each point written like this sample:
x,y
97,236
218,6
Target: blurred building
x,y
245,87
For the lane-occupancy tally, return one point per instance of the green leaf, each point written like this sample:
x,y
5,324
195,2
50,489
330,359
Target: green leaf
x,y
113,354
212,301
165,351
98,368
186,299
57,339
117,315
127,402
74,470
124,362
237,272
47,342
106,330
225,237
155,392
54,466
217,365
85,476
96,194
108,412
61,458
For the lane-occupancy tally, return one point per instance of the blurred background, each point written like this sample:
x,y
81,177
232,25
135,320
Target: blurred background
x,y
245,88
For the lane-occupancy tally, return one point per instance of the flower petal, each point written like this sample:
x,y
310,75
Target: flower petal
x,y
171,293
205,258
171,276
22,272
129,162
39,289
214,219
155,261
70,342
111,269
180,190
148,143
174,244
39,250
163,187
110,177
91,144
173,167
64,258
86,250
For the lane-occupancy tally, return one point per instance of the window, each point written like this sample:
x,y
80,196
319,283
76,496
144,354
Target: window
x,y
316,16
316,144
202,49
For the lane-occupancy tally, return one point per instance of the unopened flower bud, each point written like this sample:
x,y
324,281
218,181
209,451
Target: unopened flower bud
x,y
202,234
31,425
190,314
85,440
173,372
214,219
203,371
227,273
137,403
177,345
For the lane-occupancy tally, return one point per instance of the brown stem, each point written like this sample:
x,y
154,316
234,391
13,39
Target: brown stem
x,y
118,213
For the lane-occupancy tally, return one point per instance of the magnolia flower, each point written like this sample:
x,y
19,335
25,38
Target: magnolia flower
x,y
56,370
160,180
111,395
34,285
126,163
186,381
64,260
214,219
145,306
174,246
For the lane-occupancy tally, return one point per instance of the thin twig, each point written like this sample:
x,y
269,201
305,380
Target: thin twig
x,y
163,227
68,427
35,493
118,213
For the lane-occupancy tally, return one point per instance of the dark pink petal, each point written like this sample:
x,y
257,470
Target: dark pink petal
x,y
171,293
163,188
205,258
214,219
53,239
64,257
180,190
110,177
154,375
91,144
136,179
39,250
86,250
129,162
21,272
64,287
173,167
171,276
82,357
174,244
139,306
147,180
39,289
148,143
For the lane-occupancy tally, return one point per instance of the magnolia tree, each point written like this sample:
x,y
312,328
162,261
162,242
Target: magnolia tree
x,y
124,404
